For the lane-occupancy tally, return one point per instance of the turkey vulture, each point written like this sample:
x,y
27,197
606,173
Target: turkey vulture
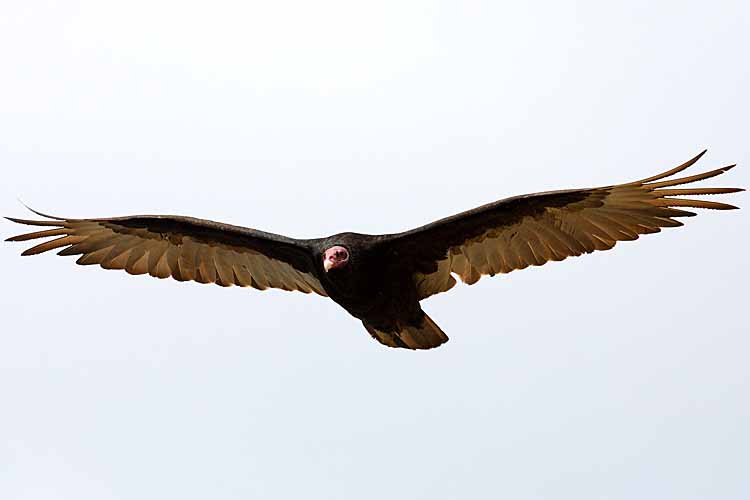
x,y
380,279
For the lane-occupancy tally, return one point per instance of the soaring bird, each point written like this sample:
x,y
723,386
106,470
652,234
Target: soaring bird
x,y
381,279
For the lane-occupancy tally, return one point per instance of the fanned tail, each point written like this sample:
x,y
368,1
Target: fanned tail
x,y
426,335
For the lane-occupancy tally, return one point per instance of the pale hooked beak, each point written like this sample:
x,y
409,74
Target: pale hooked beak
x,y
327,264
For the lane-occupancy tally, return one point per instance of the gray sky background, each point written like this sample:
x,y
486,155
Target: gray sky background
x,y
618,375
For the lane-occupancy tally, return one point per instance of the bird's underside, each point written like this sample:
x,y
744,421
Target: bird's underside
x,y
381,279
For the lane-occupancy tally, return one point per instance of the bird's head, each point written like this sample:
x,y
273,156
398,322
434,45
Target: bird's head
x,y
335,257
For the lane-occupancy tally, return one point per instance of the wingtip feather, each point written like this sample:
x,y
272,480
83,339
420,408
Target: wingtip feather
x,y
40,214
675,170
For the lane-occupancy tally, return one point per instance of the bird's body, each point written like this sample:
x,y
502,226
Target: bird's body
x,y
381,279
375,286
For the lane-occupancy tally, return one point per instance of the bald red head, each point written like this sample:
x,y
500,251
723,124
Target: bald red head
x,y
335,257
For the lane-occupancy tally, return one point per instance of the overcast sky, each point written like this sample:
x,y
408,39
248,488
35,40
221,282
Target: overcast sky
x,y
618,375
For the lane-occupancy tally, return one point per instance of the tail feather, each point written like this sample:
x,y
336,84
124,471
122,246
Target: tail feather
x,y
424,336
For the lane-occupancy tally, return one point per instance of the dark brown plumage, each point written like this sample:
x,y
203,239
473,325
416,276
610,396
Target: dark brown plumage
x,y
380,279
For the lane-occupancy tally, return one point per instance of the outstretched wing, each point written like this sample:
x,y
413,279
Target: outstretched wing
x,y
185,248
533,229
